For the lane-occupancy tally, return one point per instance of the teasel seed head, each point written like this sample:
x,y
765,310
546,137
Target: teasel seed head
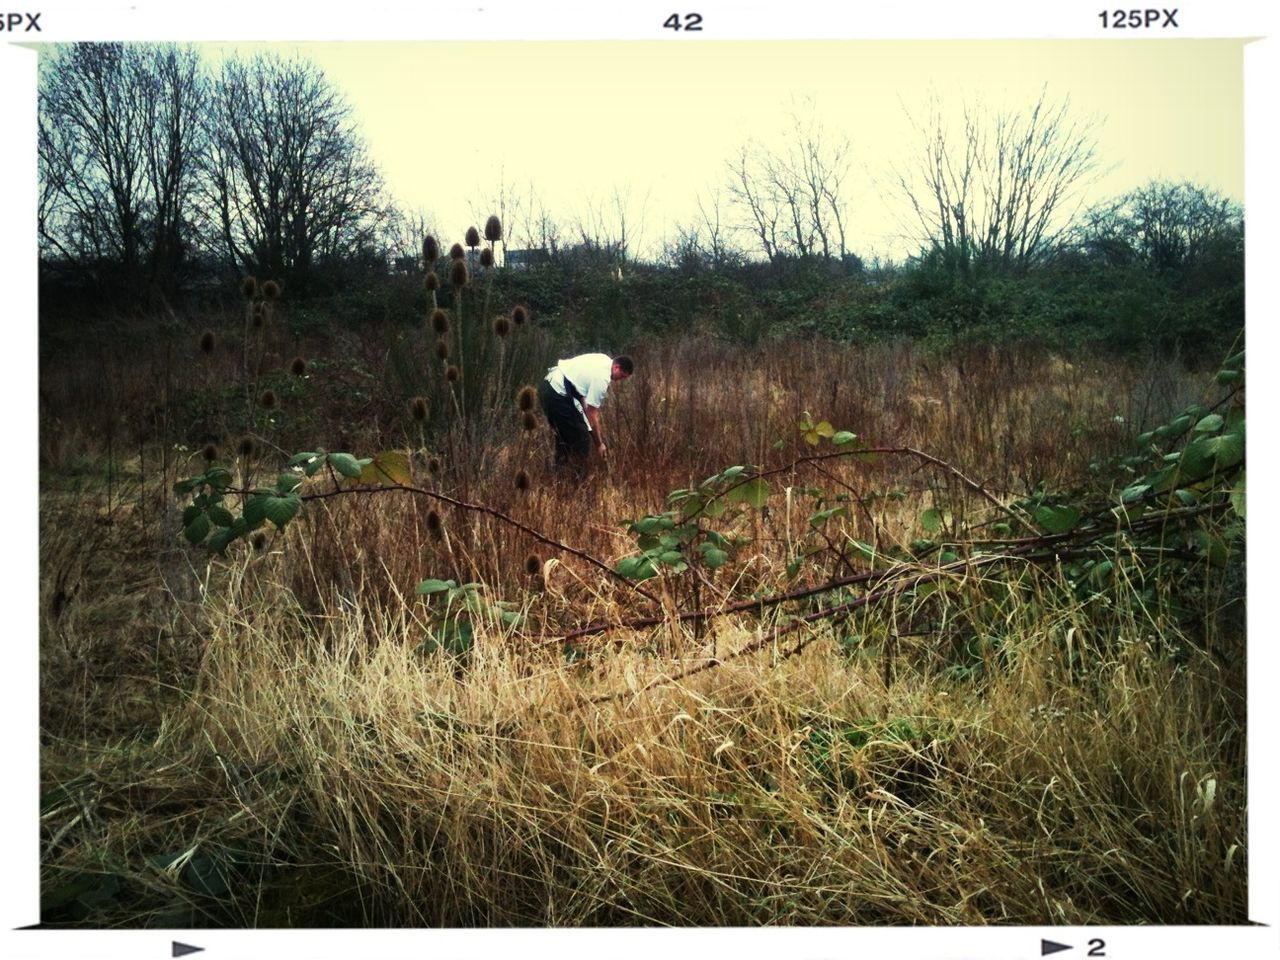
x,y
208,342
458,273
268,399
434,466
493,229
259,314
271,289
473,237
501,326
529,421
486,257
247,447
519,315
522,481
210,452
433,282
434,526
456,252
418,408
440,321
430,250
532,565
442,349
249,287
526,398
452,373
298,367
259,542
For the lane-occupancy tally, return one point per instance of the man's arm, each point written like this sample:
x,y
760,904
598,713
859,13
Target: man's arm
x,y
593,418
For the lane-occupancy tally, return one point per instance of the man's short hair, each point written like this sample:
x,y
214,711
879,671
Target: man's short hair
x,y
625,364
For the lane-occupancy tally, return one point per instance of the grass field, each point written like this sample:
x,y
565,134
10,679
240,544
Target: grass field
x,y
269,738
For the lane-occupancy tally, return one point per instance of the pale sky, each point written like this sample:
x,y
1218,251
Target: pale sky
x,y
447,122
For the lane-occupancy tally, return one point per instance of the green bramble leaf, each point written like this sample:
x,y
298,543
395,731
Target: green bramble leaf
x,y
428,587
346,464
636,568
197,529
713,556
280,510
931,520
1056,519
221,516
754,491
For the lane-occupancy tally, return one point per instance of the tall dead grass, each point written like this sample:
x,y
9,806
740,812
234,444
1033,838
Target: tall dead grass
x,y
262,741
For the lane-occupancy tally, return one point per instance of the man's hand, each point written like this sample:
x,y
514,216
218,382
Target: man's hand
x,y
603,450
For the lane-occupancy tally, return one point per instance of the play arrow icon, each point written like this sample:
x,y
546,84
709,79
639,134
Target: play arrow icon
x,y
1046,947
182,949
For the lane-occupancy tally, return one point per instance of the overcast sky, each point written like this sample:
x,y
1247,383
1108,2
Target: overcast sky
x,y
655,123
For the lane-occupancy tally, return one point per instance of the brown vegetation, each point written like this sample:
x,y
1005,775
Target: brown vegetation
x,y
262,740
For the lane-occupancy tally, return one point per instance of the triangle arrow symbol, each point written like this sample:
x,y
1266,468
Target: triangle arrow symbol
x,y
182,949
1048,946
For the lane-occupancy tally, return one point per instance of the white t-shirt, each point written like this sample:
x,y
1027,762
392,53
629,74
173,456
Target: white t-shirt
x,y
591,373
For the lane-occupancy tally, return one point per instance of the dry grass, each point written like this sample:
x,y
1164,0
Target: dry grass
x,y
261,741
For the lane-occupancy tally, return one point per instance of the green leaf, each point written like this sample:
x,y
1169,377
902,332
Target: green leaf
x,y
190,514
1237,497
822,516
185,486
636,568
754,492
931,520
221,516
222,539
255,510
346,464
197,529
1210,424
865,551
288,482
1056,519
298,459
653,525
1225,377
843,437
1210,454
205,875
280,510
427,587
714,557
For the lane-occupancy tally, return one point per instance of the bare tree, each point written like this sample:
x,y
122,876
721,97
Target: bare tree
x,y
1000,193
117,146
792,199
291,185
615,228
751,192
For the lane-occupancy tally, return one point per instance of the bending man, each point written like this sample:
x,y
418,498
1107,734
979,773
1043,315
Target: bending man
x,y
571,396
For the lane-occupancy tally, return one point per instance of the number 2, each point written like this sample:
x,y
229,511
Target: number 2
x,y
1097,948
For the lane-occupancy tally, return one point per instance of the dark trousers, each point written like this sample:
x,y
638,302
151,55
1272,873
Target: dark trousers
x,y
572,438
